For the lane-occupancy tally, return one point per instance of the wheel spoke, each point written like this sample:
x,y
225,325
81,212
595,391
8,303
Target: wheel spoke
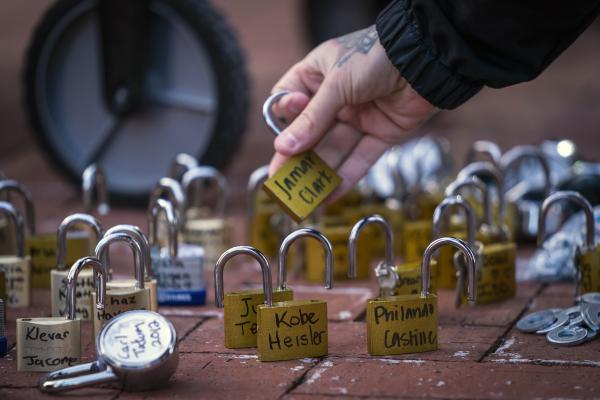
x,y
170,99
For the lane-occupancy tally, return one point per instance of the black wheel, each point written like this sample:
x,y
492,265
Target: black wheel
x,y
195,94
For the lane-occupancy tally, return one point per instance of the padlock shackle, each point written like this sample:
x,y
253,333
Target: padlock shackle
x,y
291,238
514,158
182,163
165,207
268,112
487,148
455,188
487,168
353,242
175,194
205,173
445,207
255,182
100,280
77,376
142,240
470,258
11,213
102,253
65,226
93,178
249,251
574,197
11,186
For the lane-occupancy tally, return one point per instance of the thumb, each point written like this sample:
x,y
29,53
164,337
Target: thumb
x,y
308,127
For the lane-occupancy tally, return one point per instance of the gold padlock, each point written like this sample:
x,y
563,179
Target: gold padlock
x,y
409,323
261,211
122,299
16,267
304,181
149,276
240,308
94,179
336,229
59,276
41,248
394,279
179,267
204,226
587,257
295,329
48,344
447,272
523,202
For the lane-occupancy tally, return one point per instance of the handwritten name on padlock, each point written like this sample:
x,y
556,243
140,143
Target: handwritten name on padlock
x,y
496,276
84,289
17,274
50,346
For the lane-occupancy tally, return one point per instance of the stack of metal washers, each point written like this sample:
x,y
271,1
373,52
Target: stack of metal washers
x,y
566,327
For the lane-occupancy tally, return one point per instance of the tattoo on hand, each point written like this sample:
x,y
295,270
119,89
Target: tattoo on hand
x,y
356,42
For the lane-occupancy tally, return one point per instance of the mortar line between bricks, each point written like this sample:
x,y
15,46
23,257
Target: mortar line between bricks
x,y
300,379
502,337
356,396
192,329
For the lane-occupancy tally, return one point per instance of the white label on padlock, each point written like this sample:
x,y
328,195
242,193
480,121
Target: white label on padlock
x,y
83,293
17,272
180,281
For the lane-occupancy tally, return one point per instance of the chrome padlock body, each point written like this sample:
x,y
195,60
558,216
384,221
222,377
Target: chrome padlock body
x,y
16,267
295,329
261,209
150,280
178,267
393,278
409,323
202,226
336,230
137,349
47,344
587,257
304,181
85,283
124,295
240,308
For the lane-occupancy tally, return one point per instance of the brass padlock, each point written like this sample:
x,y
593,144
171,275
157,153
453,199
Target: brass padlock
x,y
41,248
94,179
240,308
523,202
587,257
149,275
304,181
289,330
48,344
85,278
261,211
16,267
394,279
336,229
409,323
178,267
202,226
447,272
122,299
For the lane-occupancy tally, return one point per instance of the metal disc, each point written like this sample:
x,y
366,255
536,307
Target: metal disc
x,y
591,315
591,298
536,321
562,319
567,335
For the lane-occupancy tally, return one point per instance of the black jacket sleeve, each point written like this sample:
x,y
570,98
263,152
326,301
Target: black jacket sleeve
x,y
449,49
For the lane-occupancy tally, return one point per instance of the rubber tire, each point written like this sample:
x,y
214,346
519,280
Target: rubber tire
x,y
229,66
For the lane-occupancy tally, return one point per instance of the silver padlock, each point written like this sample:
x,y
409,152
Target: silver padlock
x,y
149,275
485,148
204,226
456,187
182,163
138,349
94,179
124,297
173,191
58,276
178,267
16,266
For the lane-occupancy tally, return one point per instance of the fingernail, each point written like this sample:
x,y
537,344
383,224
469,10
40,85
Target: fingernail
x,y
287,140
294,108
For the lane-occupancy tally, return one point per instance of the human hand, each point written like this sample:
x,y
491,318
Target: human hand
x,y
350,103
